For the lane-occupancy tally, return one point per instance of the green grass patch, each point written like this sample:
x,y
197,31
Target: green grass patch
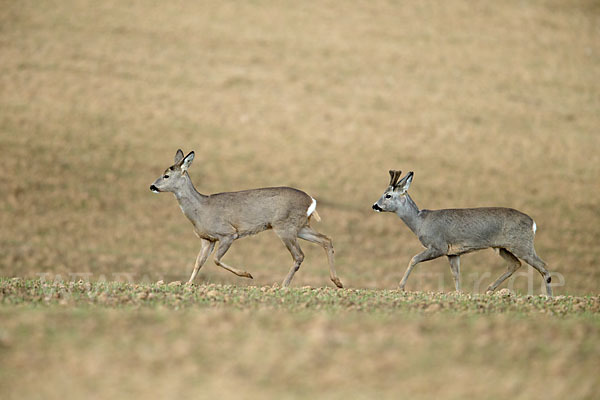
x,y
175,295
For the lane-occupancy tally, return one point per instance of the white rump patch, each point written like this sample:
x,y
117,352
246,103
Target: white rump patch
x,y
311,208
534,227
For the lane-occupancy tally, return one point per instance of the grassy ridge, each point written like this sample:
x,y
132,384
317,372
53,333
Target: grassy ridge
x,y
178,296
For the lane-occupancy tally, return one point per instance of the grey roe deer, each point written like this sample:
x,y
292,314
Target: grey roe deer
x,y
454,232
225,217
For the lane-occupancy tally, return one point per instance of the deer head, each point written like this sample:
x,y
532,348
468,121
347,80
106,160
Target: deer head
x,y
174,177
394,196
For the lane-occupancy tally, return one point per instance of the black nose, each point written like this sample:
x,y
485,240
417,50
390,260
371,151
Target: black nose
x,y
377,208
154,189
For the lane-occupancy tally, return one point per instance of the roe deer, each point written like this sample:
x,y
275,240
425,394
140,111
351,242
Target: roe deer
x,y
453,232
225,217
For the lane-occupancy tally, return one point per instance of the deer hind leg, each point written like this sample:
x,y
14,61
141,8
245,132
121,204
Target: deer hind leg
x,y
513,265
540,265
205,250
309,234
297,254
527,254
224,245
455,267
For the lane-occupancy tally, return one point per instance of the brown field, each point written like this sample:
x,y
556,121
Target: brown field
x,y
489,103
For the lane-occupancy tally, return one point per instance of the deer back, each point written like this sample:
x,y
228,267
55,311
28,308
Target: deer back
x,y
470,229
248,212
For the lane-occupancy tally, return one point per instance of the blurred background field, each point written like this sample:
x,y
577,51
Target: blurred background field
x,y
490,104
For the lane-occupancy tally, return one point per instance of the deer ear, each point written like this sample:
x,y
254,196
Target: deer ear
x,y
187,161
404,183
178,156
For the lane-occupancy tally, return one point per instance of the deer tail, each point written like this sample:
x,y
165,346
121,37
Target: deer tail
x,y
312,211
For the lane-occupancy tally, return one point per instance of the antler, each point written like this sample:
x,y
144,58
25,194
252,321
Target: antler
x,y
394,176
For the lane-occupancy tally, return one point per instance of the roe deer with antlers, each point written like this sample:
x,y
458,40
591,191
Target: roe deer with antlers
x,y
225,217
453,232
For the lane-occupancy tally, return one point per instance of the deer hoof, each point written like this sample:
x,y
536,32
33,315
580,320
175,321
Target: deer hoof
x,y
337,282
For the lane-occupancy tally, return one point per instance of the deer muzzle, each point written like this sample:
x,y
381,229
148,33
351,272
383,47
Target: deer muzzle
x,y
377,208
154,189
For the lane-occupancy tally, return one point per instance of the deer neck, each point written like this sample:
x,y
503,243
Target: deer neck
x,y
189,198
409,213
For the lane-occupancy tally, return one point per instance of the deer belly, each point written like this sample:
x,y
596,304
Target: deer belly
x,y
455,249
461,248
252,230
201,234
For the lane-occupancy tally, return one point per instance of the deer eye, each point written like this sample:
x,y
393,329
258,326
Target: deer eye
x,y
388,196
166,176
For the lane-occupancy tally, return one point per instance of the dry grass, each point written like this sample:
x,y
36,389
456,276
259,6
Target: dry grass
x,y
60,354
111,340
490,103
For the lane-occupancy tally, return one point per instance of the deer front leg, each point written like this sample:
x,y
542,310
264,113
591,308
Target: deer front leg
x,y
426,255
224,245
207,248
455,267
